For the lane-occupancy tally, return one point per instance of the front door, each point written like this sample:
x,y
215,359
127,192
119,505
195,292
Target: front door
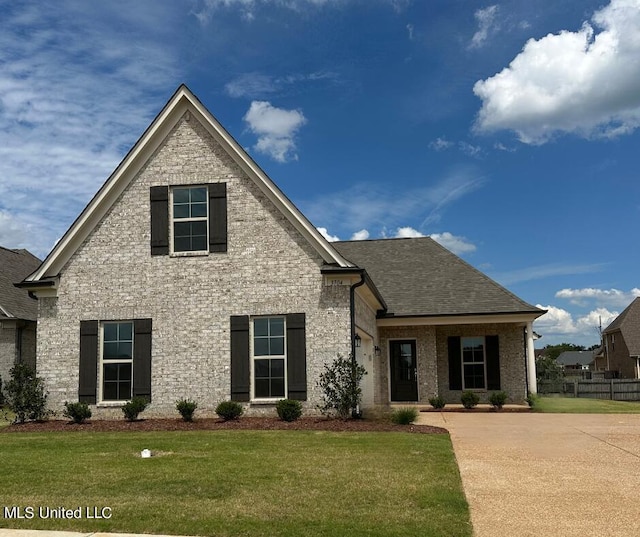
x,y
404,371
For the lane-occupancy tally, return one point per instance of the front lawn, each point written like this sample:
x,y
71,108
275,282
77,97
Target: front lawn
x,y
573,405
250,483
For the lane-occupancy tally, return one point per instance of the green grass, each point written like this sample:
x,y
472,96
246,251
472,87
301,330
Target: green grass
x,y
250,483
572,405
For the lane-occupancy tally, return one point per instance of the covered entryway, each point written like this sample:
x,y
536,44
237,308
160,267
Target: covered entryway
x,y
404,370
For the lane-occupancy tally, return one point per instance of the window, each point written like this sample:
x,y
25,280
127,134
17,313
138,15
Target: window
x,y
117,361
473,363
190,219
269,357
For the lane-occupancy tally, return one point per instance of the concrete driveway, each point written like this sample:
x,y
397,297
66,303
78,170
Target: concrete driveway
x,y
547,474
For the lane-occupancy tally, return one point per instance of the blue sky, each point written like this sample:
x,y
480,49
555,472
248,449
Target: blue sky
x,y
507,131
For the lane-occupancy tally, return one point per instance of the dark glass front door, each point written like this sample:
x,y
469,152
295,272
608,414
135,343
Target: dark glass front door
x,y
404,373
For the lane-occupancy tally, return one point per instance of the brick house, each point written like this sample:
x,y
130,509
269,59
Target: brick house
x,y
18,312
621,343
190,274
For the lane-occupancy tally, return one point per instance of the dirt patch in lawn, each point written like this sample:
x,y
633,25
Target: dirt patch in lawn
x,y
207,424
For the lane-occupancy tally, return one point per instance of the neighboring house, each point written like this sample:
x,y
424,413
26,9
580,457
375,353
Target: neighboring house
x,y
572,361
190,274
622,343
18,311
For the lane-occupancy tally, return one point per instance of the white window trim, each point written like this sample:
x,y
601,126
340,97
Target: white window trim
x,y
253,358
101,400
172,221
484,362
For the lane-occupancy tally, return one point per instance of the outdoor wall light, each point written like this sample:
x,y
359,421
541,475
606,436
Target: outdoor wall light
x,y
377,350
358,341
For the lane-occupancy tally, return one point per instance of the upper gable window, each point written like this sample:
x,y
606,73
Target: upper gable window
x,y
190,216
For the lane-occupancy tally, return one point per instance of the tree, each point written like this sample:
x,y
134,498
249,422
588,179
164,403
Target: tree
x,y
553,351
26,395
548,369
340,385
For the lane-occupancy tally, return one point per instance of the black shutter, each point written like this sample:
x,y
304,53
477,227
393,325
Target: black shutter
x,y
87,383
455,363
159,220
142,358
296,357
218,217
492,355
240,358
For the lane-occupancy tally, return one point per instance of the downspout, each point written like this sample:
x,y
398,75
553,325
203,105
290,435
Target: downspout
x,y
352,307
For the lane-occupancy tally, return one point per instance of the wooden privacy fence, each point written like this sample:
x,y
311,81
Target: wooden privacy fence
x,y
614,389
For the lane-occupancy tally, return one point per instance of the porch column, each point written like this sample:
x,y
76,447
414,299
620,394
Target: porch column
x,y
531,361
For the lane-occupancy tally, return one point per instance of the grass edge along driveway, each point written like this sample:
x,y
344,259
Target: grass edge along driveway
x,y
254,483
584,405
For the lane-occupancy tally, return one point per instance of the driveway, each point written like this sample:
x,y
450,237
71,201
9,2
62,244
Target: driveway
x,y
547,474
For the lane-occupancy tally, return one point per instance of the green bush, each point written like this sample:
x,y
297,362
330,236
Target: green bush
x,y
437,402
469,399
229,410
340,385
186,407
26,395
2,400
289,409
532,399
134,407
404,416
77,412
498,399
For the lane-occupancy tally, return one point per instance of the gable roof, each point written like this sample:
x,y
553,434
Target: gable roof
x,y
182,101
15,303
628,323
575,357
419,277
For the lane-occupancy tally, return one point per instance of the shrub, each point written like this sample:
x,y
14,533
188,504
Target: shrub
x,y
2,401
229,410
26,395
289,409
498,399
132,408
186,407
532,399
469,399
77,412
437,402
340,385
404,416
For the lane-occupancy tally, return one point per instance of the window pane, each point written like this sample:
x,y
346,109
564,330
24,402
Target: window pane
x,y
181,211
262,388
180,195
474,376
125,331
110,351
110,332
277,368
198,194
261,327
124,350
199,244
182,229
110,391
261,346
277,346
182,244
124,391
199,228
261,368
198,210
110,372
277,388
124,372
276,326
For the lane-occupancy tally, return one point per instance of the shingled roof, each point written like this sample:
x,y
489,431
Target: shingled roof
x,y
15,266
628,323
419,277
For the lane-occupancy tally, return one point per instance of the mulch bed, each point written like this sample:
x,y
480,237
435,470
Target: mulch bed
x,y
211,424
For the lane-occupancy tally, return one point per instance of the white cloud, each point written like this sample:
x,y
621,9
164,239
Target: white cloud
x,y
560,325
258,85
276,129
610,297
410,29
361,235
325,233
440,144
486,24
565,82
469,150
407,232
457,245
74,96
539,272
